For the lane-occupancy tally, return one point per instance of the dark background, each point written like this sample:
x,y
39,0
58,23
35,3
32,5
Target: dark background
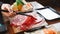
x,y
44,2
48,2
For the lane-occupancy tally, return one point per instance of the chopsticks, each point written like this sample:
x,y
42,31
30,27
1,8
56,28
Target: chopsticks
x,y
21,13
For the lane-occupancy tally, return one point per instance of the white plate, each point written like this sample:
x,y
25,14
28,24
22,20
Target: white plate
x,y
36,5
48,14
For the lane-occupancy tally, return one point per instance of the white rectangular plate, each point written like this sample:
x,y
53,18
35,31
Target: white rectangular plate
x,y
48,14
36,5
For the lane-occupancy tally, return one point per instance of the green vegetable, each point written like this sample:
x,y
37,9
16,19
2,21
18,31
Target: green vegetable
x,y
19,2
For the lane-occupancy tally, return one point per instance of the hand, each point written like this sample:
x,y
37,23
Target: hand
x,y
9,15
7,7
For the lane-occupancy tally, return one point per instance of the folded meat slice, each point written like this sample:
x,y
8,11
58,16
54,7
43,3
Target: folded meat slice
x,y
24,22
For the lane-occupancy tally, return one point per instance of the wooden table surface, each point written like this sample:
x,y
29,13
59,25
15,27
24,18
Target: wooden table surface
x,y
49,22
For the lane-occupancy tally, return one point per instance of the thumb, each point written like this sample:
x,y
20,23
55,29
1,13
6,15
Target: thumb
x,y
10,10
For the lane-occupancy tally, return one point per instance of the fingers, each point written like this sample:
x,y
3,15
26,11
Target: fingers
x,y
12,14
9,9
9,15
6,7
